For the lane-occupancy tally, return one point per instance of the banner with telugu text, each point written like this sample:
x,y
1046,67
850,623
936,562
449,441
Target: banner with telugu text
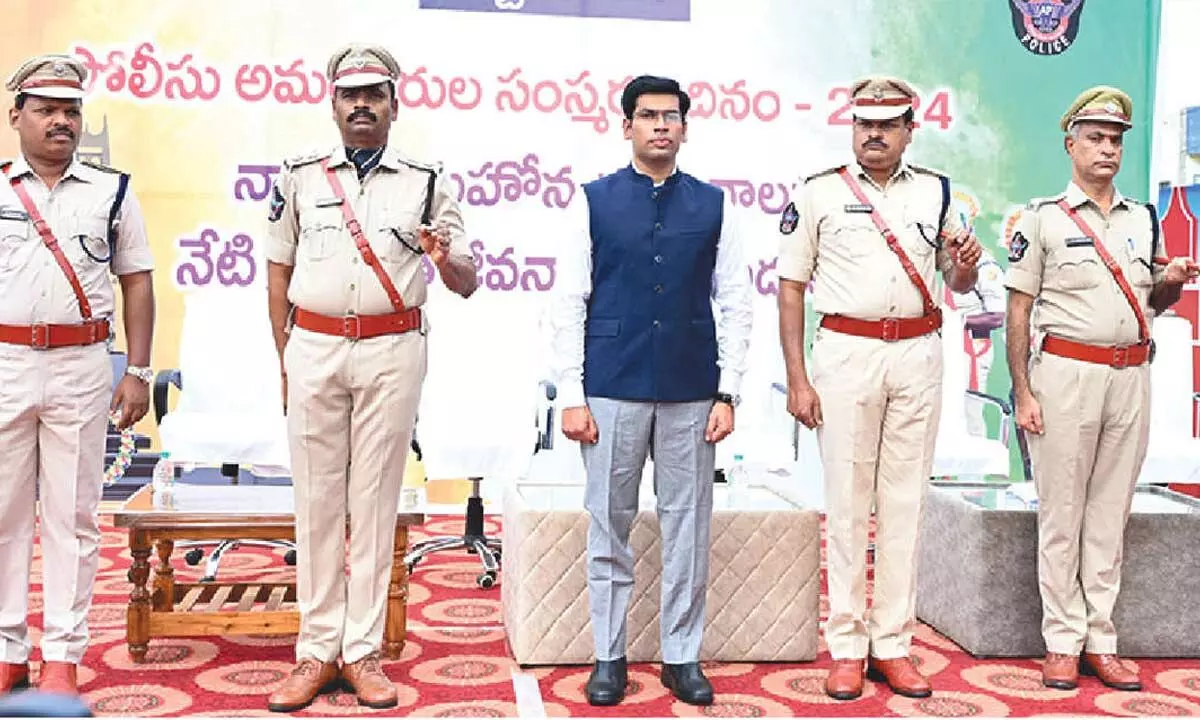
x,y
519,100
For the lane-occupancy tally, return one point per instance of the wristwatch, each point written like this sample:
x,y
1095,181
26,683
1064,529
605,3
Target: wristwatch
x,y
730,400
144,374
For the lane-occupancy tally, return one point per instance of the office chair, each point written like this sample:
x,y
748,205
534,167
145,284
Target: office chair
x,y
230,472
474,540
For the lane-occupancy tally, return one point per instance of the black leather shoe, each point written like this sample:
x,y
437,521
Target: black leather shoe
x,y
606,686
687,682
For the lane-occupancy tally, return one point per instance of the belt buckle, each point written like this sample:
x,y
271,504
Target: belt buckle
x,y
39,336
351,327
891,329
1120,358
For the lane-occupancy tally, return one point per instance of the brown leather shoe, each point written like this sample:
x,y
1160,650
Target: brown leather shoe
x,y
901,675
845,679
13,676
1111,671
370,684
58,677
308,679
1060,672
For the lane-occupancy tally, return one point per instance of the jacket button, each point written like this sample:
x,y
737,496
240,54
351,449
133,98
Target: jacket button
x,y
656,323
658,289
658,226
658,259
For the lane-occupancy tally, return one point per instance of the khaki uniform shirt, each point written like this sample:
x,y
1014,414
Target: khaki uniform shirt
x,y
330,276
837,246
1051,259
33,288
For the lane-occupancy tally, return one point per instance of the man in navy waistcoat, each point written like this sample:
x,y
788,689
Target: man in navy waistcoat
x,y
644,369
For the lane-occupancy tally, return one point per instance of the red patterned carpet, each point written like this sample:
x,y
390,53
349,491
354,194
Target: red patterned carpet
x,y
456,664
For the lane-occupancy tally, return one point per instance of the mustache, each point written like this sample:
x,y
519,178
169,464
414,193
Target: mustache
x,y
361,113
54,132
875,144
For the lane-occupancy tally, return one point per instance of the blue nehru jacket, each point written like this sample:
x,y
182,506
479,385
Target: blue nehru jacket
x,y
650,333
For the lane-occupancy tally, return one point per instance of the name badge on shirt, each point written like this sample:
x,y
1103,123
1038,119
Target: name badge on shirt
x,y
1079,242
328,202
12,213
859,208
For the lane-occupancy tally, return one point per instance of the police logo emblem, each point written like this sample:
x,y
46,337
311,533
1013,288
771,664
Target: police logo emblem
x,y
790,219
1046,27
1016,250
275,210
60,69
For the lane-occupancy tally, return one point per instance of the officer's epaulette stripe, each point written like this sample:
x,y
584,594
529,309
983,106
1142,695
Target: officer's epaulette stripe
x,y
1036,203
306,158
97,166
824,172
423,167
927,171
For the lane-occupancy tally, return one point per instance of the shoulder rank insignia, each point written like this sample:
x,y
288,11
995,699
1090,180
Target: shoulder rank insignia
x,y
422,166
307,158
1017,248
1036,203
790,219
97,166
826,171
927,171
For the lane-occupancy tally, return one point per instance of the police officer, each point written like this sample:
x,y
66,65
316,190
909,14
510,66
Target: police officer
x,y
871,236
348,226
64,225
1092,260
645,368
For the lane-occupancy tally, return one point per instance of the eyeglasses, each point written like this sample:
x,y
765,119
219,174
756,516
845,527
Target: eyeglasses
x,y
670,117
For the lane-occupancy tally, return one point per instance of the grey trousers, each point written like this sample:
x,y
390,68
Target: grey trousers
x,y
683,488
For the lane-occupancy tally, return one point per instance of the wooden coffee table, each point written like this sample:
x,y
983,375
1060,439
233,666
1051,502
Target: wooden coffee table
x,y
239,512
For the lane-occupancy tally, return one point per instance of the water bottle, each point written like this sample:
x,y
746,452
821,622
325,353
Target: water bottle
x,y
737,475
163,480
413,483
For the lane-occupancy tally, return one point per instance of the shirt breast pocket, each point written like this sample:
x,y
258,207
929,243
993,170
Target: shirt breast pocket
x,y
1140,274
1075,270
15,234
920,235
320,232
87,242
854,234
399,236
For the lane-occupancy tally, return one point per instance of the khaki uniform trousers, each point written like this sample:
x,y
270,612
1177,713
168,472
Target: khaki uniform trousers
x,y
53,421
881,403
1085,466
351,409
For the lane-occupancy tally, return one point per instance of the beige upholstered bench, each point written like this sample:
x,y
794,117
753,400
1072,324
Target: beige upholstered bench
x,y
763,587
